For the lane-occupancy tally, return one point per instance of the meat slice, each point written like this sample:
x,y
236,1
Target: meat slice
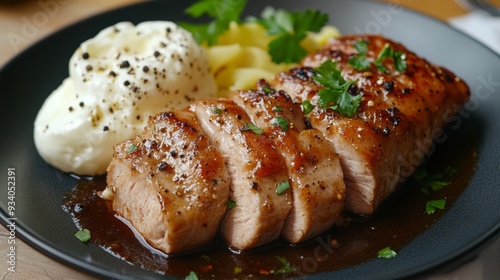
x,y
425,93
256,170
170,183
398,117
369,154
313,166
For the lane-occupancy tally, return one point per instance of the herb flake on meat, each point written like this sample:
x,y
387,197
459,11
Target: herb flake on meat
x,y
282,187
231,204
255,129
336,94
281,122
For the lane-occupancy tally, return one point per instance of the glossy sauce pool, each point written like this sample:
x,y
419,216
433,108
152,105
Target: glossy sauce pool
x,y
356,240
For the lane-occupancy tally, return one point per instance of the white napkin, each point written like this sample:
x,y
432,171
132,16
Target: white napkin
x,y
481,26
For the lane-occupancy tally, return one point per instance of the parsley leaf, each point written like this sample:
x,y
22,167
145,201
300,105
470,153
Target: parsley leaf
x,y
282,187
336,95
290,29
191,276
255,129
307,107
223,13
132,148
433,182
281,122
362,47
432,205
286,266
328,75
268,90
83,235
388,52
220,10
276,22
205,257
286,49
308,21
360,63
231,204
216,111
386,253
237,270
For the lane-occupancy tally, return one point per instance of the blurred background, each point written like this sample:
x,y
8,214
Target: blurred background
x,y
24,22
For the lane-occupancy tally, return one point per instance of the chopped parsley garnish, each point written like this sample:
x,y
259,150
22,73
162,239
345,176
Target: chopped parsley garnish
x,y
268,90
361,46
255,129
223,13
281,122
386,253
216,111
132,148
336,94
205,257
231,204
83,235
286,268
237,270
282,187
191,276
435,181
290,29
362,63
432,205
432,183
277,109
307,107
388,52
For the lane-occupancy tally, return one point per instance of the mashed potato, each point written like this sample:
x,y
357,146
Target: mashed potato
x,y
117,80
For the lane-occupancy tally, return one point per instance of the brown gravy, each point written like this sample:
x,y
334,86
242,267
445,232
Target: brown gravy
x,y
401,219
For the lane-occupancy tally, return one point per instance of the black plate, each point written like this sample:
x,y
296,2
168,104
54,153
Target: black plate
x,y
472,222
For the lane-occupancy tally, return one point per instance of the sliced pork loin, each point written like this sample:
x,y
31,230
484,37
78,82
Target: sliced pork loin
x,y
313,167
399,115
256,169
170,183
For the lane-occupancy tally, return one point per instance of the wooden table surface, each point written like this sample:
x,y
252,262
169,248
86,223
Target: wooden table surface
x,y
13,16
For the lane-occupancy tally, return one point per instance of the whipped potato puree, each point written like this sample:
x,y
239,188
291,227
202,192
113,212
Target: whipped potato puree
x,y
117,80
